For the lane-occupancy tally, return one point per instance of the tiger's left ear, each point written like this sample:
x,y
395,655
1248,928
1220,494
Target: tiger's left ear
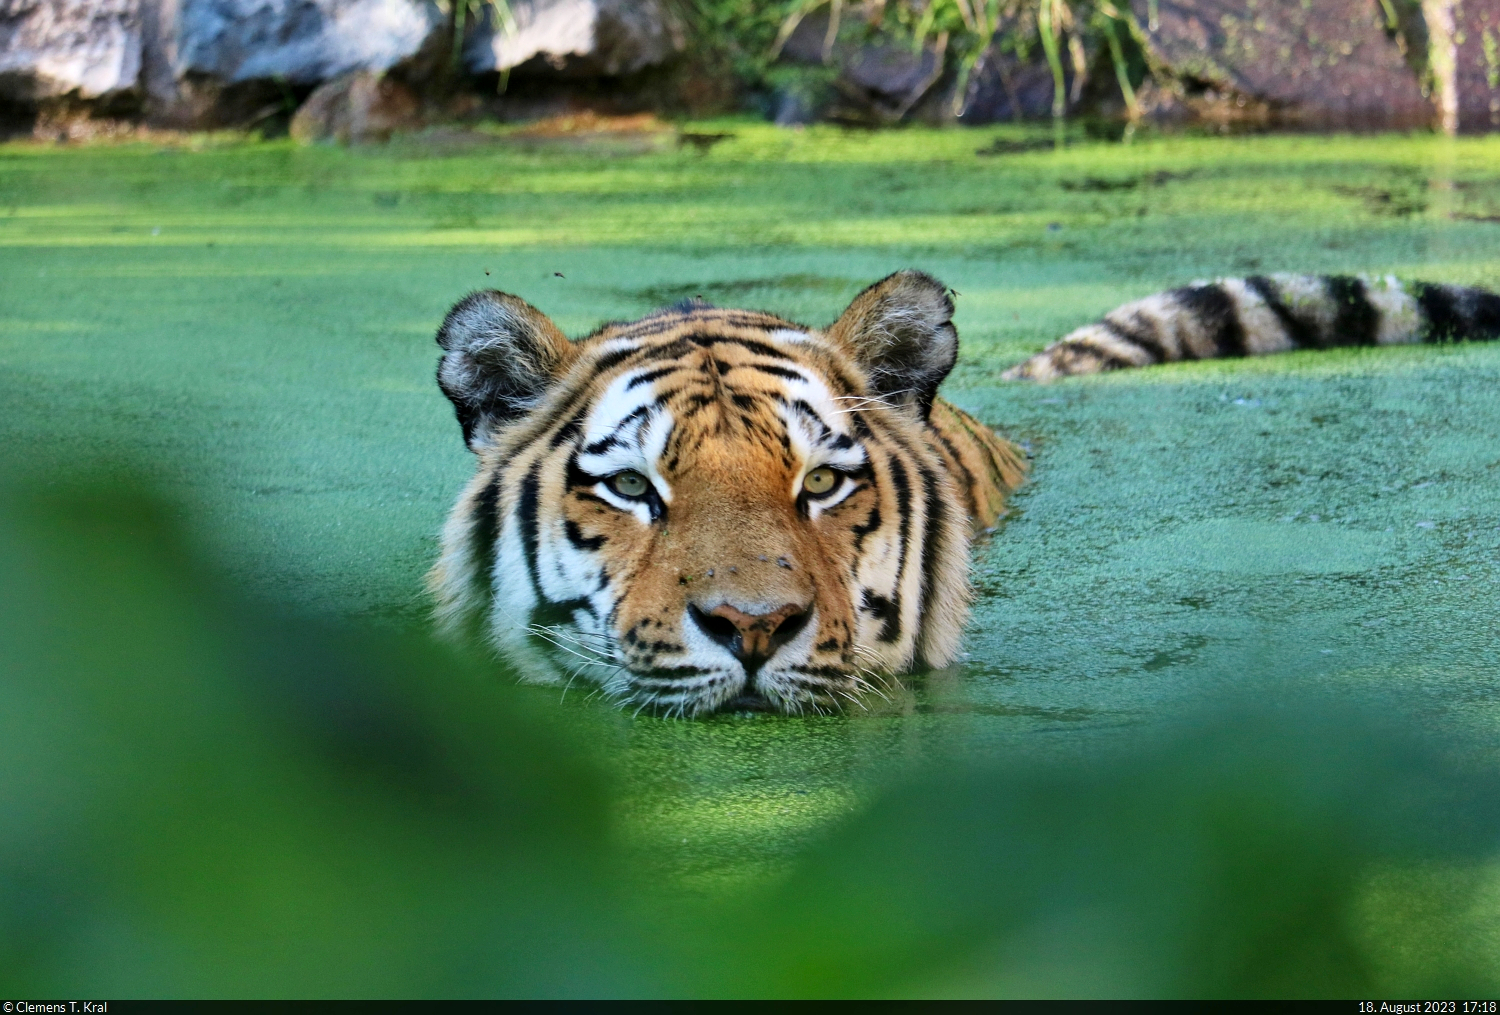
x,y
901,331
500,355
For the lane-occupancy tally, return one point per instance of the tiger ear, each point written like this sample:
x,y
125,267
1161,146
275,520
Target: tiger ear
x,y
500,355
901,331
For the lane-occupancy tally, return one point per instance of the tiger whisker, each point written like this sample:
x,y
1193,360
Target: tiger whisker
x,y
572,676
864,653
864,400
588,658
573,636
867,686
852,698
595,661
557,638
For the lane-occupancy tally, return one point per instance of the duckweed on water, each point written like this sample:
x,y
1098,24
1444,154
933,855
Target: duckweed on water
x,y
255,319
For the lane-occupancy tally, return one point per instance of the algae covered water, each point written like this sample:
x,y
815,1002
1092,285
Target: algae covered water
x,y
249,325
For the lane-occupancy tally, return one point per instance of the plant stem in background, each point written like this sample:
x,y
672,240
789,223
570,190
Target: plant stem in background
x,y
1442,50
835,10
939,54
963,90
462,10
507,20
1047,24
923,27
1080,66
1117,55
985,23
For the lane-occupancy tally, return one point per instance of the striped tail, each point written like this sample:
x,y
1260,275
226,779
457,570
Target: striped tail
x,y
1263,314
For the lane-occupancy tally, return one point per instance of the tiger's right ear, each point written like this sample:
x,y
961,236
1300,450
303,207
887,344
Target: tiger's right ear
x,y
500,355
901,331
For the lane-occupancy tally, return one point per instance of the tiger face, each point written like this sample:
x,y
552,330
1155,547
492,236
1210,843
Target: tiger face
x,y
716,509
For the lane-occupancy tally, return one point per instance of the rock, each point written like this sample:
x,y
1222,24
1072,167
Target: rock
x,y
879,81
51,48
1478,24
890,79
298,41
578,38
1005,88
1327,64
356,107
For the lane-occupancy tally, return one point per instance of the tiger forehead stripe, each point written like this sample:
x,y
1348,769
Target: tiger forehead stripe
x,y
797,364
622,411
658,324
560,415
567,405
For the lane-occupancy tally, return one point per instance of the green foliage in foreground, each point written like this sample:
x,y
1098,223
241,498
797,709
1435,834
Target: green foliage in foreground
x,y
204,796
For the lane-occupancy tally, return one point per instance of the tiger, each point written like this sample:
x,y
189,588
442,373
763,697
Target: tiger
x,y
1261,315
713,510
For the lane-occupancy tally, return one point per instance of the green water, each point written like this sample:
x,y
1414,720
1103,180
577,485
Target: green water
x,y
256,319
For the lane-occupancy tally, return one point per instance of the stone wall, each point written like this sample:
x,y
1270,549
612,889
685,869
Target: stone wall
x,y
1329,64
578,38
299,41
48,48
205,62
194,63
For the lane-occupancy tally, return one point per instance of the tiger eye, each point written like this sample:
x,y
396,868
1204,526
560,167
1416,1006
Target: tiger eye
x,y
629,484
820,481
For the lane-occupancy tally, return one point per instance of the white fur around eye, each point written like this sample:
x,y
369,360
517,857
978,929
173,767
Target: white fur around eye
x,y
629,435
791,335
848,459
817,505
639,508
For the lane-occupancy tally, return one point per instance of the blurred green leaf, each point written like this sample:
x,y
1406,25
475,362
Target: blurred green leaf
x,y
205,796
1230,857
202,795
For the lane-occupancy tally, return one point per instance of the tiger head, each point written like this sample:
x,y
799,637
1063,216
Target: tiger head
x,y
715,509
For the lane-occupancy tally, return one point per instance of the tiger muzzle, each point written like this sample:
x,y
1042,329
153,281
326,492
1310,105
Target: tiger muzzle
x,y
751,637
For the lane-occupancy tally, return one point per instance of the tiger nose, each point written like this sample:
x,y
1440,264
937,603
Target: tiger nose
x,y
751,637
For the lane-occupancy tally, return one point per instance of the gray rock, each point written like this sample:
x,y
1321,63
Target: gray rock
x,y
892,76
300,41
50,48
1006,88
879,81
1328,63
356,107
575,37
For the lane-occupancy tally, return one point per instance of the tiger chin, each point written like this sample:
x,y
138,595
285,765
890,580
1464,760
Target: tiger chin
x,y
710,509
